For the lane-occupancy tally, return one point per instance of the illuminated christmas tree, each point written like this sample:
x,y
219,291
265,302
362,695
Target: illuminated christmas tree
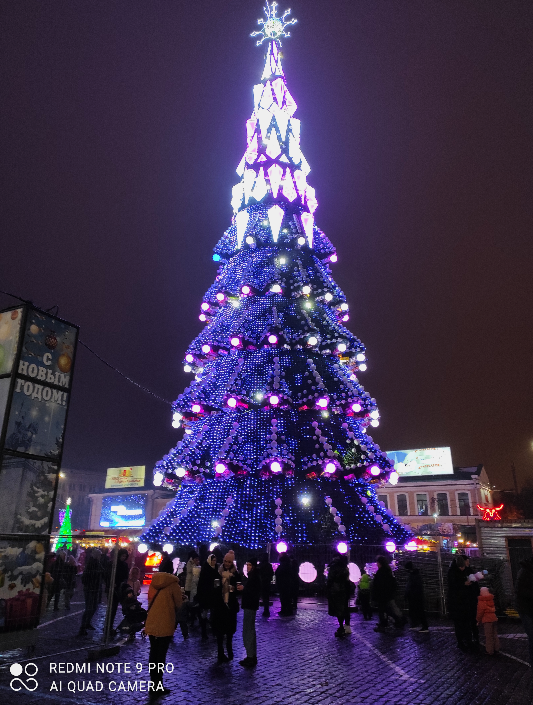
x,y
275,422
64,539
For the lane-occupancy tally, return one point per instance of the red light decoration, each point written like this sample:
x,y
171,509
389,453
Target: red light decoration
x,y
490,513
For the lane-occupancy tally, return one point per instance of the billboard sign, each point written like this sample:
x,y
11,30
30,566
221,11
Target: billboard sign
x,y
125,477
123,511
422,462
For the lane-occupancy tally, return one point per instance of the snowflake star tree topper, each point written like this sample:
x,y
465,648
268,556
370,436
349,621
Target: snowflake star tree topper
x,y
273,27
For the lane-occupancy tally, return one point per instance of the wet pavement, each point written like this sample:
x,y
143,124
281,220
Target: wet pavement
x,y
301,662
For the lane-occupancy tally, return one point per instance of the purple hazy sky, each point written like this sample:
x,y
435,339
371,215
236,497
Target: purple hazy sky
x,y
121,127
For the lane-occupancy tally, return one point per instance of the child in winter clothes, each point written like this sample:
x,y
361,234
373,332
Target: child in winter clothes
x,y
486,615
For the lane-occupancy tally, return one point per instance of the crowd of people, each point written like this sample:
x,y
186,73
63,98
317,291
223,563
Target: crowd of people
x,y
213,592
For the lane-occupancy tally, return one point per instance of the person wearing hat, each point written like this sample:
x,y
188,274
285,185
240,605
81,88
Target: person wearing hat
x,y
486,616
224,606
164,598
251,592
204,595
462,592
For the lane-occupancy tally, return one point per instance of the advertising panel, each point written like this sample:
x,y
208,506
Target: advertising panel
x,y
42,385
9,336
123,511
420,462
125,477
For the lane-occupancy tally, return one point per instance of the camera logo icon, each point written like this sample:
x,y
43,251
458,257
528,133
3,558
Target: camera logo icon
x,y
29,671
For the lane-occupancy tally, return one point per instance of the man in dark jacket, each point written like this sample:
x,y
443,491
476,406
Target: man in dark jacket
x,y
251,592
414,595
462,595
384,588
266,571
284,579
91,579
524,601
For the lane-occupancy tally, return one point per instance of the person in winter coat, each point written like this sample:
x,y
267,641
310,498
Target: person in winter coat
x,y
384,587
472,601
164,598
251,592
208,575
59,574
524,601
134,580
414,595
266,572
121,576
224,606
486,615
462,594
91,581
193,559
338,592
284,580
71,573
363,593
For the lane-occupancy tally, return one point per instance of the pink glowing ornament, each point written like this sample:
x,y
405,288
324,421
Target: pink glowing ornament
x,y
374,470
333,258
329,501
189,357
232,402
281,547
246,290
202,317
390,546
196,408
220,296
356,407
275,466
206,349
272,339
220,468
330,467
346,318
274,400
235,342
322,403
342,547
205,306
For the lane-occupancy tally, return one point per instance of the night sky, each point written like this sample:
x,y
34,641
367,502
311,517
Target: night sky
x,y
121,127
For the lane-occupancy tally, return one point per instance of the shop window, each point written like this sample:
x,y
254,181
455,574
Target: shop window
x,y
463,499
442,504
383,498
422,505
403,509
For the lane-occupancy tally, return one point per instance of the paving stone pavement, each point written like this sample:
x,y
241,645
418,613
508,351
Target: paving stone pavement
x,y
300,663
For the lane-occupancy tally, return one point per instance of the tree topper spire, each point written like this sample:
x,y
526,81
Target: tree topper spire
x,y
273,26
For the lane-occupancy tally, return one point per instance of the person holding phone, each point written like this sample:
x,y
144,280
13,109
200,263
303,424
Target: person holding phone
x,y
251,592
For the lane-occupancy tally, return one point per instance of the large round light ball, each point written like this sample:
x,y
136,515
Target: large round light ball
x,y
341,347
246,289
356,407
232,402
306,289
374,470
281,547
307,572
168,548
374,423
158,479
328,296
276,289
312,340
322,403
275,466
142,548
220,296
333,258
274,400
272,339
342,547
410,545
205,306
189,357
301,240
206,348
220,468
187,368
393,478
360,357
362,367
196,408
250,240
181,472
390,546
344,307
330,467
355,572
374,414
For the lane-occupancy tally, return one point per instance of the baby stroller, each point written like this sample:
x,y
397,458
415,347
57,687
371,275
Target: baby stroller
x,y
134,613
